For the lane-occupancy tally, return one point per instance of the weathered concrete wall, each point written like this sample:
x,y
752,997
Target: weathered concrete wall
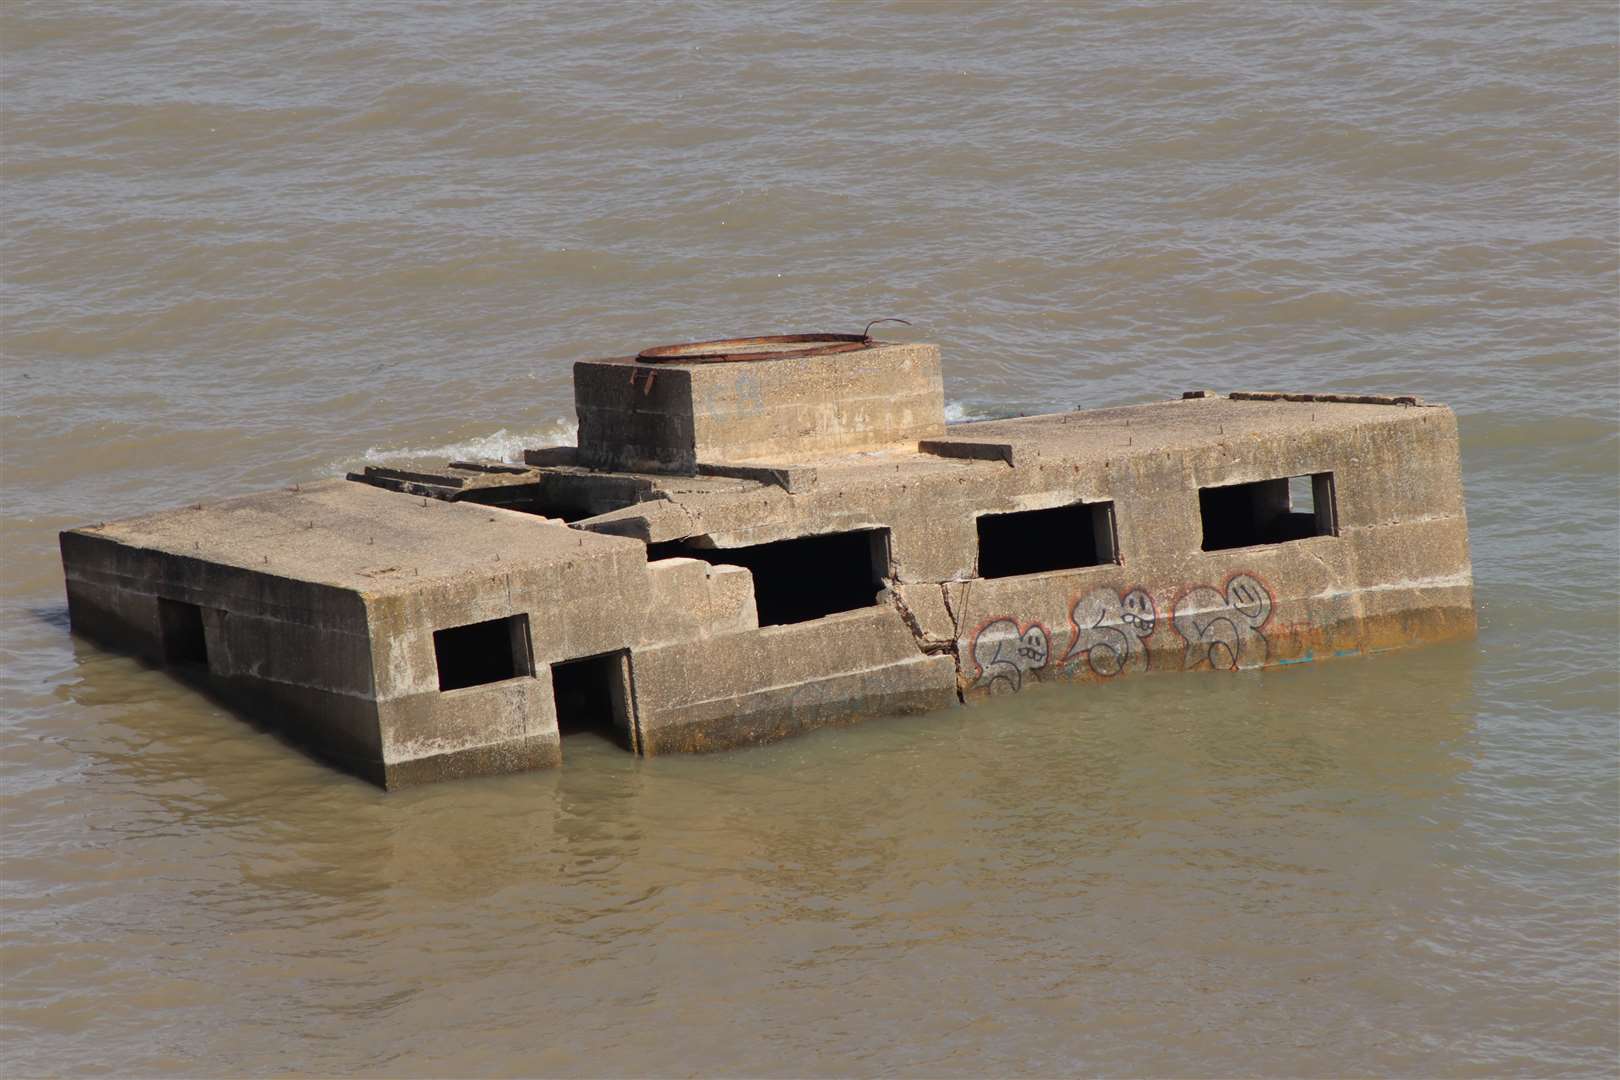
x,y
330,635
689,601
1398,571
294,654
761,685
581,597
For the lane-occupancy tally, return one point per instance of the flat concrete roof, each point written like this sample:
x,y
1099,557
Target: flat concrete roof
x,y
976,449
367,539
1184,424
354,536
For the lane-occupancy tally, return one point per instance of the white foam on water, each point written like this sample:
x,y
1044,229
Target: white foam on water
x,y
955,412
502,445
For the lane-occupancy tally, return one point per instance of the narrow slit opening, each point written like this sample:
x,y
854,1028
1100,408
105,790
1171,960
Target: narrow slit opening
x,y
482,652
1273,511
1038,541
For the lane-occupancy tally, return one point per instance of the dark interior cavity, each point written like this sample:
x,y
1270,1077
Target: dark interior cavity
x,y
568,502
482,652
593,694
1036,541
181,625
1268,511
805,578
569,496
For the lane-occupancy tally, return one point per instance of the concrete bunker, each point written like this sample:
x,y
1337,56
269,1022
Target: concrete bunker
x,y
1021,542
742,548
1263,512
804,577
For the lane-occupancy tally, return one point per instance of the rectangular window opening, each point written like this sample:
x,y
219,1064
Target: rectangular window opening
x,y
1038,541
184,641
1268,511
805,578
594,695
482,652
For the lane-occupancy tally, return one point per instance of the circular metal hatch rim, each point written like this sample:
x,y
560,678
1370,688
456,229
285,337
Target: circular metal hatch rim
x,y
722,350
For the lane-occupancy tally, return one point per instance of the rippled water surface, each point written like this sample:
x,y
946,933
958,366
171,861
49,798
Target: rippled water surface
x,y
246,245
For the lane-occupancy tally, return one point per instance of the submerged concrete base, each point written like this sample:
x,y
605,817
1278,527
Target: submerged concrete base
x,y
423,626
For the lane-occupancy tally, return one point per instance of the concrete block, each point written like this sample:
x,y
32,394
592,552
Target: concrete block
x,y
671,416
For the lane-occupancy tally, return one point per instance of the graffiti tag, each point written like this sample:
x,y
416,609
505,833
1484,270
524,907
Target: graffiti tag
x,y
1223,628
1109,629
1005,653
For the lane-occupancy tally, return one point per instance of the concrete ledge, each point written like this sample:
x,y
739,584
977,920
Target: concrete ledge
x,y
790,478
968,449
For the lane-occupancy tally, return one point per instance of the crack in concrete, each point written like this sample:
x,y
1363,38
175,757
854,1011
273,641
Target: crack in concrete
x,y
692,526
929,645
956,641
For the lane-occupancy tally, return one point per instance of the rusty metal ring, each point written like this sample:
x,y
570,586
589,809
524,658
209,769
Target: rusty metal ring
x,y
723,350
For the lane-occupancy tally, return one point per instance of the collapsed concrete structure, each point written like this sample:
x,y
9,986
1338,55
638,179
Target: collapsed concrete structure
x,y
742,548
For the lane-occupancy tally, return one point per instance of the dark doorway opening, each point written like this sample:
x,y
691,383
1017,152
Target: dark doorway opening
x,y
805,578
1037,541
482,652
593,694
1268,511
184,641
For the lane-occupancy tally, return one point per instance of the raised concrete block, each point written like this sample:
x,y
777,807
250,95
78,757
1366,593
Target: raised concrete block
x,y
670,417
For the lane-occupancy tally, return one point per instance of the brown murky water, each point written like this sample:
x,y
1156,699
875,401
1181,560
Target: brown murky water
x,y
246,245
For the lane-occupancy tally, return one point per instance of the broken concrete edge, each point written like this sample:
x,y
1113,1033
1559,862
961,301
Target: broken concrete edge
x,y
1327,399
429,486
1288,395
432,479
499,467
790,478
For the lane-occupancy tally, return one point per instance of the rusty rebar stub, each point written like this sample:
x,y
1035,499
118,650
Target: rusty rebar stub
x,y
770,347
